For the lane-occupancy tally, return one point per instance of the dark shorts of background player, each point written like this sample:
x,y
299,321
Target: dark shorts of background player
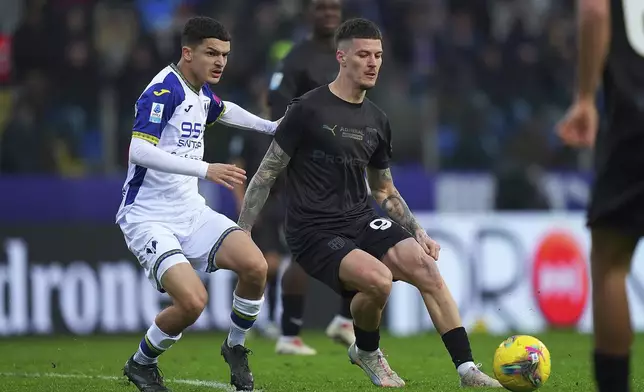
x,y
268,230
616,207
320,252
617,193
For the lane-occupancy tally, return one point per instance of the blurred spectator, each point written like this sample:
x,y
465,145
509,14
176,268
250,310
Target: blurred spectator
x,y
497,70
28,144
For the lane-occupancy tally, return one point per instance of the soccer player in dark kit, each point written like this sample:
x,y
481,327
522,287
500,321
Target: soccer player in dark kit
x,y
326,141
310,64
611,45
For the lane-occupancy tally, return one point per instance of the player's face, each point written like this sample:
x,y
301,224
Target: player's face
x,y
362,61
209,59
327,16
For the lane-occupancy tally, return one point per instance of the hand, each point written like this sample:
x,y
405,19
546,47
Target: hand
x,y
226,175
579,126
430,246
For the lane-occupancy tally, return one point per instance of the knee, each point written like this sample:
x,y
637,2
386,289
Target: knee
x,y
254,270
423,271
378,283
193,304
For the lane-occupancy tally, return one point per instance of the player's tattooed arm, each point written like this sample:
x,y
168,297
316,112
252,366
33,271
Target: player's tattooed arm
x,y
274,162
385,192
390,200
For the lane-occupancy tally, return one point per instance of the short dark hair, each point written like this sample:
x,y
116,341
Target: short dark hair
x,y
201,27
357,28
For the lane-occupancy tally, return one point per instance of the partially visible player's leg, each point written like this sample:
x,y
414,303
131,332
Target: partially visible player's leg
x,y
611,257
408,262
265,235
369,282
239,254
340,329
273,259
159,252
218,243
294,286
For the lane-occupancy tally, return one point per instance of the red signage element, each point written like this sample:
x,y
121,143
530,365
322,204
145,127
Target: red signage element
x,y
560,279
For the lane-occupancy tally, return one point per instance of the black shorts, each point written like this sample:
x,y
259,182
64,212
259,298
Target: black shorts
x,y
268,231
617,194
320,252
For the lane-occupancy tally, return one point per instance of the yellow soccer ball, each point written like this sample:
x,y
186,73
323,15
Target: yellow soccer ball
x,y
522,363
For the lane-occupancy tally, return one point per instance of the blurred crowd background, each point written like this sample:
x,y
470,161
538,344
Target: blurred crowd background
x,y
468,85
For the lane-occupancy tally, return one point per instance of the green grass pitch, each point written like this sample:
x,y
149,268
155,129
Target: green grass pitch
x,y
70,364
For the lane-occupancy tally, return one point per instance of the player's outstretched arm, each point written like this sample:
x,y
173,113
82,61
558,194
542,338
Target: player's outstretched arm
x,y
385,192
237,117
260,185
145,154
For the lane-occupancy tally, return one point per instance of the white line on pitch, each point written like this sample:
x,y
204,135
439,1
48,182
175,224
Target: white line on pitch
x,y
201,383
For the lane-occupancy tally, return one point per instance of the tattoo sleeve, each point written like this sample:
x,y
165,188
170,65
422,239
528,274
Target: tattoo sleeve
x,y
390,200
260,185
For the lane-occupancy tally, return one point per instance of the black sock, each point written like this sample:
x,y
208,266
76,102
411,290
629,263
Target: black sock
x,y
458,346
293,311
367,340
612,372
271,297
345,308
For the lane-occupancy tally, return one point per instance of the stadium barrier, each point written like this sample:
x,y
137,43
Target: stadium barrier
x,y
508,272
81,279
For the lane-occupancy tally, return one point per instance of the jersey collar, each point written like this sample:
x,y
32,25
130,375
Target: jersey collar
x,y
178,72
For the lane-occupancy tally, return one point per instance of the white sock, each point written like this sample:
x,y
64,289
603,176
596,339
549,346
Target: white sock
x,y
341,320
154,343
242,318
288,339
465,367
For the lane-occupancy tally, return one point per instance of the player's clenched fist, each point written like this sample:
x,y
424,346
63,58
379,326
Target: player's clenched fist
x,y
579,127
430,246
225,174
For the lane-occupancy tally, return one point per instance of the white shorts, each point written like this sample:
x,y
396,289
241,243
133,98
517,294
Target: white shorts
x,y
160,245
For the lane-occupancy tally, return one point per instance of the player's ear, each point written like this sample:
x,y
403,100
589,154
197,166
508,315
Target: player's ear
x,y
186,53
341,56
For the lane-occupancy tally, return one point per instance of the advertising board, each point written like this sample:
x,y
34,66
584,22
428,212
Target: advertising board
x,y
512,272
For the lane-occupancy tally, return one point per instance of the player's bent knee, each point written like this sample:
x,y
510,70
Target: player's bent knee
x,y
427,276
254,270
416,266
377,283
193,304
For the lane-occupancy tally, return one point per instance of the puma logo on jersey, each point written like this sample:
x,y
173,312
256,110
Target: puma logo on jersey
x,y
328,128
160,93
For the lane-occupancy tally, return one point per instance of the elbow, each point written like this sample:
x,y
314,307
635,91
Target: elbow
x,y
593,10
133,156
136,152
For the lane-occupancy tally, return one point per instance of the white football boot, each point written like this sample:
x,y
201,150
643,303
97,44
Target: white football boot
x,y
376,367
474,378
269,331
340,329
293,345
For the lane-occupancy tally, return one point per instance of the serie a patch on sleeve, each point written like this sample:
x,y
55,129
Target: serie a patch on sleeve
x,y
156,112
